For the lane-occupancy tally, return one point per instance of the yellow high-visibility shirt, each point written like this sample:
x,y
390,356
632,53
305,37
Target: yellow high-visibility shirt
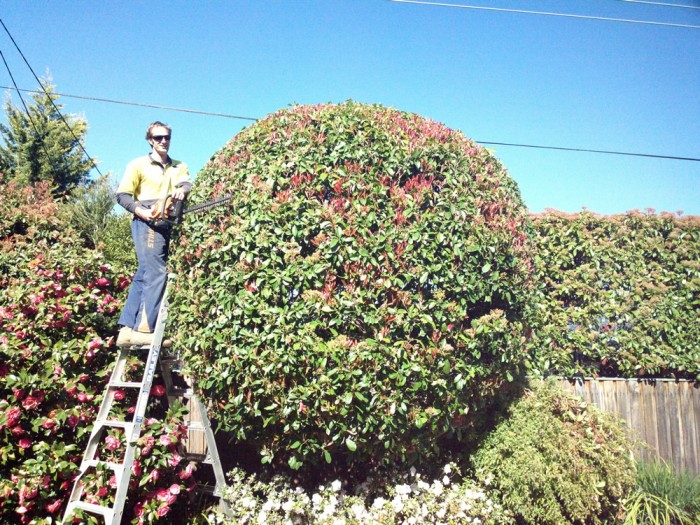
x,y
145,178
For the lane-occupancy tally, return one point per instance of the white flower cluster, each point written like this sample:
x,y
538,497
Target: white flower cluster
x,y
448,500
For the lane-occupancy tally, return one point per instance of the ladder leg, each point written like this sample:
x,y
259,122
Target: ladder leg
x,y
131,430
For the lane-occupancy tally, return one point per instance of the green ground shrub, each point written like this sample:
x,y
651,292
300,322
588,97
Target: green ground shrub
x,y
663,496
362,296
555,459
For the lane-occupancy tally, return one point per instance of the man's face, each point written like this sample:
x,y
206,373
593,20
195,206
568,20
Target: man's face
x,y
160,140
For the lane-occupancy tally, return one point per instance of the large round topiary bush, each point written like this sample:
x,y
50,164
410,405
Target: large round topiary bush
x,y
362,294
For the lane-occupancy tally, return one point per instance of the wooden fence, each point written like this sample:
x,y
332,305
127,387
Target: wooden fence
x,y
663,413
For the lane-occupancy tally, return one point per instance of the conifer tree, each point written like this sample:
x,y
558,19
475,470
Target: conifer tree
x,y
38,146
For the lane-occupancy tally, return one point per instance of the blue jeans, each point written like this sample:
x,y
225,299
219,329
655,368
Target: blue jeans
x,y
146,292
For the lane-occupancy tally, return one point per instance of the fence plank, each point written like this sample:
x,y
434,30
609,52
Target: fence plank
x,y
663,414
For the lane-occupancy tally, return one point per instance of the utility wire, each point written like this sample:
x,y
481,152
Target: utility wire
x,y
660,4
583,150
58,112
224,115
139,104
545,13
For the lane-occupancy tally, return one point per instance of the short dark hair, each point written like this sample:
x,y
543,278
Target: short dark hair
x,y
153,125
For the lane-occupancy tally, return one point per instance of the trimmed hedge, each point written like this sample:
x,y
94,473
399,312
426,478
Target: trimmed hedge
x,y
618,296
363,295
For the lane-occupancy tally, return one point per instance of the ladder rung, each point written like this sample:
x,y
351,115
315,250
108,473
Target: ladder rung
x,y
114,423
181,392
94,462
90,507
125,384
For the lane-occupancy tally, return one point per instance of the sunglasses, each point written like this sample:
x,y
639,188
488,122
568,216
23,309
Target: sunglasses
x,y
161,138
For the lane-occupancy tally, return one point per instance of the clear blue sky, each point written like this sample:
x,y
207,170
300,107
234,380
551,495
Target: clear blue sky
x,y
496,76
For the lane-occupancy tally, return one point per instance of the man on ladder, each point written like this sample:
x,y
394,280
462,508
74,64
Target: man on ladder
x,y
147,180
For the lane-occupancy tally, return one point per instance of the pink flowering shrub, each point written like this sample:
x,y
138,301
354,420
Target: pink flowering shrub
x,y
58,308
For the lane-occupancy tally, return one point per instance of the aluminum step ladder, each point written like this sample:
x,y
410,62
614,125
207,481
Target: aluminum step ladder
x,y
132,429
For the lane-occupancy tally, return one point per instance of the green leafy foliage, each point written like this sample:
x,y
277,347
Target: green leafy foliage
x,y
619,296
362,296
91,211
555,460
663,497
40,146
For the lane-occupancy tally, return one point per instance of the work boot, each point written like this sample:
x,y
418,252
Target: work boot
x,y
124,337
141,338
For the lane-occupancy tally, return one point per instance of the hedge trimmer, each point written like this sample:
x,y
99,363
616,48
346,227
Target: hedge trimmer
x,y
169,212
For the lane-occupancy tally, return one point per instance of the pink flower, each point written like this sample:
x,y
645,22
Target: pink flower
x,y
26,493
148,446
162,494
162,511
49,423
30,403
119,395
13,415
174,488
18,393
102,492
25,443
72,421
154,475
52,508
165,440
158,390
136,468
102,282
174,459
187,472
112,442
17,430
22,510
95,343
138,509
123,283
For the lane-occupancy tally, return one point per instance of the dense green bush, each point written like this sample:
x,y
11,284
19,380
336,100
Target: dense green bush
x,y
362,296
94,214
619,296
555,460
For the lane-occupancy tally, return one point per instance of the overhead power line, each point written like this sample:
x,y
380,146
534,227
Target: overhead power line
x,y
583,150
545,13
660,4
225,115
142,105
